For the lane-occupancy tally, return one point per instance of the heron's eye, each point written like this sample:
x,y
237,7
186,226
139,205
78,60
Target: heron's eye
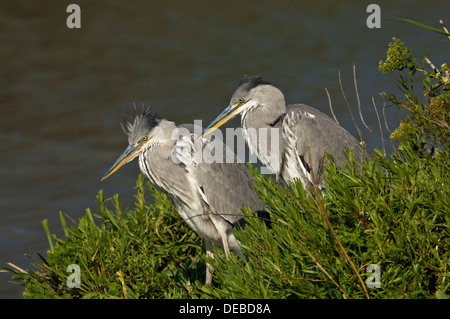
x,y
241,100
144,138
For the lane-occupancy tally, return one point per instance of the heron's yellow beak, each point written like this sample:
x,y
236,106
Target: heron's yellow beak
x,y
128,155
230,111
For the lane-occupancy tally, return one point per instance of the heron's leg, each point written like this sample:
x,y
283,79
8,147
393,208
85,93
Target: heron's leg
x,y
222,229
209,268
225,246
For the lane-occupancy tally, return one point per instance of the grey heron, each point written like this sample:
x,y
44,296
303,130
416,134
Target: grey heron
x,y
208,195
283,136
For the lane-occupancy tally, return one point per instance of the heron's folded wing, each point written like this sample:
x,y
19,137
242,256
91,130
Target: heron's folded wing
x,y
311,129
228,186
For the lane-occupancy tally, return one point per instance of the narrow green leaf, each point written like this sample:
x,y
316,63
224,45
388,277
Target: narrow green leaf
x,y
63,223
47,232
421,25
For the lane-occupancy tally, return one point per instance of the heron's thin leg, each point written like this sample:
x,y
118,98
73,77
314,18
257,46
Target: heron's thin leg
x,y
209,268
221,229
225,246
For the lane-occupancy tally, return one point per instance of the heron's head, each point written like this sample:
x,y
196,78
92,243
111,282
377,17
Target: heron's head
x,y
252,93
144,131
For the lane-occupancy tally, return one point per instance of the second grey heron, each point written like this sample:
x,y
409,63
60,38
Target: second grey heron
x,y
208,196
283,136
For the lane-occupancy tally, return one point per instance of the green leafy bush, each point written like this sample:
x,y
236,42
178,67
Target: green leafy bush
x,y
146,252
392,213
428,122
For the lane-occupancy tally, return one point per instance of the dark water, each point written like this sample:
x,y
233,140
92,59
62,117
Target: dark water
x,y
63,92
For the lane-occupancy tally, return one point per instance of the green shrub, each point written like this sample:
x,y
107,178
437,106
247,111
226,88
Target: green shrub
x,y
146,252
428,123
392,213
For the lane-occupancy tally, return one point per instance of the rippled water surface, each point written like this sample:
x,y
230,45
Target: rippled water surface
x,y
63,91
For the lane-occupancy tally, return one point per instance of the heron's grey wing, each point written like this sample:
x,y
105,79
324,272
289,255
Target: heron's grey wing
x,y
318,132
228,187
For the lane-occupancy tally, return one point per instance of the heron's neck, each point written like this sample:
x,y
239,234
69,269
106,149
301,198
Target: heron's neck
x,y
262,116
261,130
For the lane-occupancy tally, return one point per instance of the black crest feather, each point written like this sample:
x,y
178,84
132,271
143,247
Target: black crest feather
x,y
252,81
140,122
